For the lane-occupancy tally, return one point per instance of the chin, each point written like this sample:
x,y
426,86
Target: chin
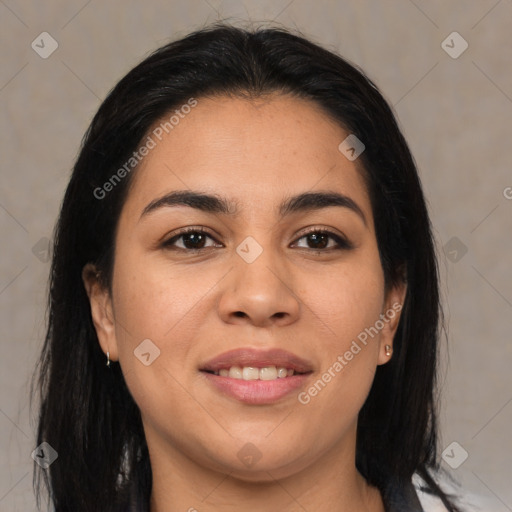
x,y
265,474
260,469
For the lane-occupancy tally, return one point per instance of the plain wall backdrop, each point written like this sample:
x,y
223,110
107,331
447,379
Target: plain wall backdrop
x,y
454,105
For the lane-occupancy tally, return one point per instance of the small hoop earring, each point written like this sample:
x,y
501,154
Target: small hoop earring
x,y
388,350
108,358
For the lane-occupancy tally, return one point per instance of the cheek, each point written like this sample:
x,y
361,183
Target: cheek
x,y
153,305
152,298
344,301
153,301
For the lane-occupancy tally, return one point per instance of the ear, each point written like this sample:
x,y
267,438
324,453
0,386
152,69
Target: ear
x,y
390,316
101,311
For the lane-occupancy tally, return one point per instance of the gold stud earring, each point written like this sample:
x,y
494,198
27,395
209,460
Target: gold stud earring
x,y
108,358
388,350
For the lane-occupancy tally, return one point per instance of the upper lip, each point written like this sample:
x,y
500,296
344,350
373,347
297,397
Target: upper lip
x,y
257,358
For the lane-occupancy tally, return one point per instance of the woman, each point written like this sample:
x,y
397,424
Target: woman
x,y
244,305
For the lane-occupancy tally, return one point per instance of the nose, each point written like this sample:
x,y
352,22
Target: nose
x,y
259,293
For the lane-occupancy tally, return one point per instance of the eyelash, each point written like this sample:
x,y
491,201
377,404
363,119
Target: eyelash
x,y
342,243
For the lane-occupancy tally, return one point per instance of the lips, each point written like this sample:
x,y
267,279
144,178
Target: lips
x,y
257,391
257,359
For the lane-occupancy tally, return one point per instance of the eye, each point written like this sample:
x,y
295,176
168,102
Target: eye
x,y
324,240
191,239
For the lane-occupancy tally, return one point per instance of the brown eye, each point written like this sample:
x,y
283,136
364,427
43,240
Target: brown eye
x,y
190,239
324,240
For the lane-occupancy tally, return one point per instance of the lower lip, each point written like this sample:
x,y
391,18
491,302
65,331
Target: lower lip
x,y
257,391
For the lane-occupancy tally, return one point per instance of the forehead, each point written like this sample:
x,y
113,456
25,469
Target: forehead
x,y
251,150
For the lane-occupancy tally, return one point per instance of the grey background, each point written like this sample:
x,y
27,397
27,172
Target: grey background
x,y
455,114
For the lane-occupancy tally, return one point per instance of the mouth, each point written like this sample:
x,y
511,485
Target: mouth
x,y
256,377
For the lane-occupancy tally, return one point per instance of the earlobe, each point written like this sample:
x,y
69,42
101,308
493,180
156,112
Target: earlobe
x,y
393,306
101,311
385,354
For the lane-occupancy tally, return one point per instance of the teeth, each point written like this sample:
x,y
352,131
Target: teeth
x,y
249,373
282,372
268,373
252,373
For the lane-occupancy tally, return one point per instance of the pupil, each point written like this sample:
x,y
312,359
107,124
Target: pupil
x,y
316,236
194,238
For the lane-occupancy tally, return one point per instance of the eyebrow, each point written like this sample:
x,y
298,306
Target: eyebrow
x,y
308,201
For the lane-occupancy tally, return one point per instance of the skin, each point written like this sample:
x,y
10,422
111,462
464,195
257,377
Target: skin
x,y
196,305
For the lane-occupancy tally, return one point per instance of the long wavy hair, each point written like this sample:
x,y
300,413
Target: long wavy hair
x,y
86,412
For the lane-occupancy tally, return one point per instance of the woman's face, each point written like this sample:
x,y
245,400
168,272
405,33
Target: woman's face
x,y
262,276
